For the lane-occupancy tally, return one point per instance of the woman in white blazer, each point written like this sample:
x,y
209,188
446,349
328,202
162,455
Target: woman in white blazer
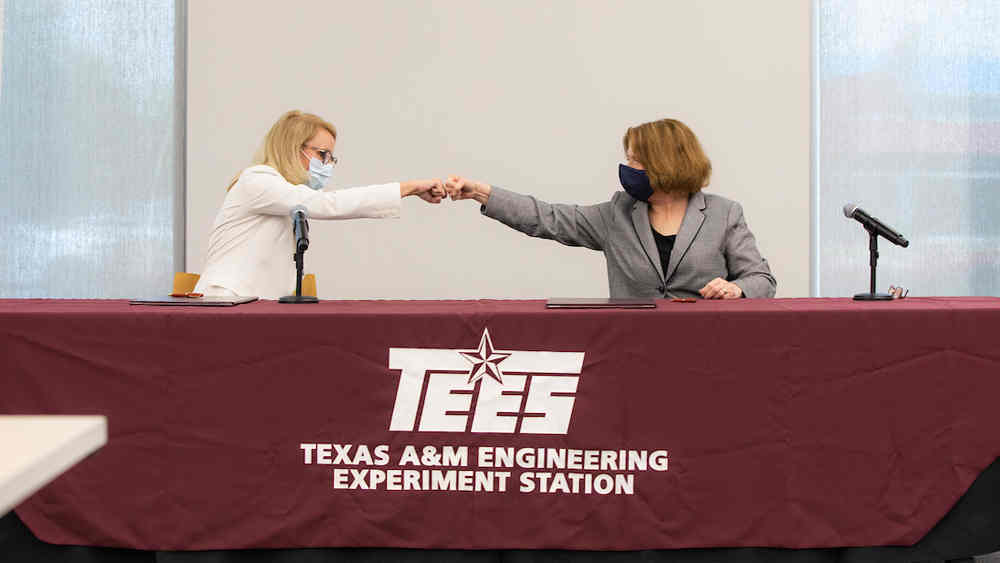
x,y
250,248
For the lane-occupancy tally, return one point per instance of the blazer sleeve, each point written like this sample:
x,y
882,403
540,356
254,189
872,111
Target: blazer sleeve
x,y
572,225
265,192
747,268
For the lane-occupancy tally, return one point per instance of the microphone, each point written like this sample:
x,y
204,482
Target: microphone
x,y
300,227
852,211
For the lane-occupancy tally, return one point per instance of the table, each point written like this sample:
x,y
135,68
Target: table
x,y
785,423
37,449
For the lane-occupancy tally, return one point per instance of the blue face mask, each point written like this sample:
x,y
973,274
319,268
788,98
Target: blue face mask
x,y
635,182
319,173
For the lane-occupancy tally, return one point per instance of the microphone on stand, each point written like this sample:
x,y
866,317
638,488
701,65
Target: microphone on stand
x,y
300,231
875,229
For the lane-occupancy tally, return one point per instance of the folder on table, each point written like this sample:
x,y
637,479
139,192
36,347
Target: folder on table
x,y
194,301
592,303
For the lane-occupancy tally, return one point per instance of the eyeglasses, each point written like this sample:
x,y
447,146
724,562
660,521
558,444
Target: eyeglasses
x,y
898,292
323,154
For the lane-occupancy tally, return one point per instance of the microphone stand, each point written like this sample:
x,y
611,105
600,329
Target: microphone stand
x,y
300,251
298,297
873,252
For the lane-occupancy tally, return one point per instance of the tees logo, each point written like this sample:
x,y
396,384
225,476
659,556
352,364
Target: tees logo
x,y
484,390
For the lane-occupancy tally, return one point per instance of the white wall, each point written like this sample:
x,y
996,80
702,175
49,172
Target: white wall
x,y
530,96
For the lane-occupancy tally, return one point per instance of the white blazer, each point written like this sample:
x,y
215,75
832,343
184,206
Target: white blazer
x,y
251,245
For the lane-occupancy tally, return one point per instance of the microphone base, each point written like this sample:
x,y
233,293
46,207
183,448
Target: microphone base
x,y
298,299
872,297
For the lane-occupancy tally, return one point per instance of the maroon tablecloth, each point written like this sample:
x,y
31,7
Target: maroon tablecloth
x,y
793,423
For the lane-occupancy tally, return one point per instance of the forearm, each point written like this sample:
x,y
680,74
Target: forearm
x,y
267,193
571,225
757,284
376,201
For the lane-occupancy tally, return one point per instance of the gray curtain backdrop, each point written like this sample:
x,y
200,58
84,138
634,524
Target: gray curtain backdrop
x,y
908,117
91,147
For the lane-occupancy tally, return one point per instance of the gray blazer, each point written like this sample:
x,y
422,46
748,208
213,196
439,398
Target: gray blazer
x,y
713,242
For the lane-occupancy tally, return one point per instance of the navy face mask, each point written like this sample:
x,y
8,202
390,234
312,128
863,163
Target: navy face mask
x,y
635,182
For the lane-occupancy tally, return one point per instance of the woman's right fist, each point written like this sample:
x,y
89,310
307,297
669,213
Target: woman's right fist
x,y
431,191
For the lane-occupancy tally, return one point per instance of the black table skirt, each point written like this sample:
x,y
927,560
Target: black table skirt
x,y
972,527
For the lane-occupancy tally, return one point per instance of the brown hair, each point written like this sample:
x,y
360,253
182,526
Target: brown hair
x,y
671,154
284,141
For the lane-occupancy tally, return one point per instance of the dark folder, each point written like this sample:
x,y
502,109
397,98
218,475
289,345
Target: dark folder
x,y
591,303
194,301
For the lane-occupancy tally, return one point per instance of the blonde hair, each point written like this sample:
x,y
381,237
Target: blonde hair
x,y
672,155
283,143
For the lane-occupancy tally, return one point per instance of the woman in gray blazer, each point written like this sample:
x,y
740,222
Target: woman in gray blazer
x,y
662,236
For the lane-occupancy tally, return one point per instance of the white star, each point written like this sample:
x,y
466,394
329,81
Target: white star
x,y
485,360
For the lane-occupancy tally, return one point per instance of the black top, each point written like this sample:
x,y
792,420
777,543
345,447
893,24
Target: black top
x,y
664,244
